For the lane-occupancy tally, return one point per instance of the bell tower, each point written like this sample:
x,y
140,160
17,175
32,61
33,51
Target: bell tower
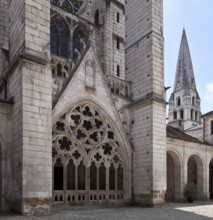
x,y
184,103
144,68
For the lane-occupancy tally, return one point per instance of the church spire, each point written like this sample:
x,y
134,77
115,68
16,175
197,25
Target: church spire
x,y
184,78
184,103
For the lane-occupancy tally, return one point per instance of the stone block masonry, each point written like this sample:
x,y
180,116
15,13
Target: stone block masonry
x,y
30,84
144,68
37,138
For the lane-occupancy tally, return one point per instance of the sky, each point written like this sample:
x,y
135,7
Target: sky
x,y
196,16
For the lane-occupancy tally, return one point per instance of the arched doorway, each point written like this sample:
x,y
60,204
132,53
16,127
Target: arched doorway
x,y
173,192
195,174
211,179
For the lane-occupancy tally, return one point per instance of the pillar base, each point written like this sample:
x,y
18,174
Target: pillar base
x,y
36,206
152,199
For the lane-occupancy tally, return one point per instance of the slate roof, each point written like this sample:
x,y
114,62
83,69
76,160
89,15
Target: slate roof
x,y
176,133
208,113
184,78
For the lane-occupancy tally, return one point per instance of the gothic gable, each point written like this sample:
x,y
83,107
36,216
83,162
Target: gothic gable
x,y
88,86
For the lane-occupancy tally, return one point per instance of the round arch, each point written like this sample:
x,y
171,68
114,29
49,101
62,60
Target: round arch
x,y
195,173
173,192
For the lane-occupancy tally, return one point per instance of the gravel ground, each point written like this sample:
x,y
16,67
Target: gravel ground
x,y
174,211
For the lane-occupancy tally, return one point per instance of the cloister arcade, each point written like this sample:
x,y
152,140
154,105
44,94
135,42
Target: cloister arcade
x,y
185,169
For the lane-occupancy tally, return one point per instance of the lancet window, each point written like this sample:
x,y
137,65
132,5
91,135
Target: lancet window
x,y
175,115
79,42
59,37
193,100
89,162
68,41
178,101
181,114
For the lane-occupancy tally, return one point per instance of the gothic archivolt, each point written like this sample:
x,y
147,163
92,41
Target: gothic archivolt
x,y
85,135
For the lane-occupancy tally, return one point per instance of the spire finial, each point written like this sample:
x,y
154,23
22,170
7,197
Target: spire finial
x,y
184,78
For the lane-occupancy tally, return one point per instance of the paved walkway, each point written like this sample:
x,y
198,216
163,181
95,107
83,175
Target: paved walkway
x,y
173,211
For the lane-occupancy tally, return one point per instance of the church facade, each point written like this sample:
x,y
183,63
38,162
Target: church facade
x,y
83,109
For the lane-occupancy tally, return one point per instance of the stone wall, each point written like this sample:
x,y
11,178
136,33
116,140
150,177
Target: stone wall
x,y
29,83
144,68
208,136
5,156
107,33
4,40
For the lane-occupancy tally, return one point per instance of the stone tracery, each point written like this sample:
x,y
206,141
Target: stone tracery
x,y
84,141
73,6
69,40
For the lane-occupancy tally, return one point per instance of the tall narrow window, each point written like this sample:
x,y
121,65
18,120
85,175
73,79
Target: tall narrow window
x,y
178,101
54,40
93,177
181,114
97,18
59,37
118,42
79,39
193,100
71,175
112,177
211,127
196,118
58,175
192,115
81,176
118,17
63,43
102,177
118,70
120,178
175,115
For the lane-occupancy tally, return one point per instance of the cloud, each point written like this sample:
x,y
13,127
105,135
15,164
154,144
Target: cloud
x,y
209,87
208,97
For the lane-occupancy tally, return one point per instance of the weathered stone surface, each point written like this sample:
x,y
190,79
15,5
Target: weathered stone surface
x,y
87,125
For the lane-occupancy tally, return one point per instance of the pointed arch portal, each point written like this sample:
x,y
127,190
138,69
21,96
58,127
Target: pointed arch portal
x,y
88,157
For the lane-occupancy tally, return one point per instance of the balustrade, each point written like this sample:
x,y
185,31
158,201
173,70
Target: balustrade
x,y
82,196
118,86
